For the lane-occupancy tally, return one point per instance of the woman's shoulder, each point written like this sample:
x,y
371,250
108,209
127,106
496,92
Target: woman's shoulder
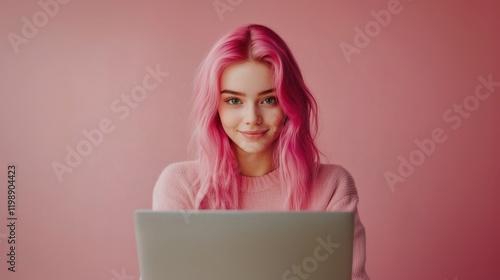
x,y
337,175
186,170
182,166
175,187
334,170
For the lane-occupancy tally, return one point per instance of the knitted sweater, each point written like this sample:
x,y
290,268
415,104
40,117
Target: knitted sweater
x,y
333,190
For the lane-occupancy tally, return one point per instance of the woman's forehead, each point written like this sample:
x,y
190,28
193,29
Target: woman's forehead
x,y
247,77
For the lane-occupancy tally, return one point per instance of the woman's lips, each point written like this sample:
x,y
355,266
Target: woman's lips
x,y
254,135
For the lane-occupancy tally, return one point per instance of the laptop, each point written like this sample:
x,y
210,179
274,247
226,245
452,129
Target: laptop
x,y
244,245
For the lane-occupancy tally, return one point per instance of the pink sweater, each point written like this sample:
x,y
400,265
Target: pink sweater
x,y
333,190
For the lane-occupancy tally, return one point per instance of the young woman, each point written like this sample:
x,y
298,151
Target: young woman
x,y
255,126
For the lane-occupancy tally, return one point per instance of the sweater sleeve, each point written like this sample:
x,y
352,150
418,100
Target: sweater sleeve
x,y
345,199
173,189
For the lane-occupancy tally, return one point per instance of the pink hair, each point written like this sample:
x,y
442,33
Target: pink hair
x,y
295,153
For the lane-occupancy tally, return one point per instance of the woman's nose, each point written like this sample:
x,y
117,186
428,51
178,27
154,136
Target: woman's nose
x,y
252,115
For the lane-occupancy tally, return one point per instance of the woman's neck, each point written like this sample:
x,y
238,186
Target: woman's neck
x,y
254,165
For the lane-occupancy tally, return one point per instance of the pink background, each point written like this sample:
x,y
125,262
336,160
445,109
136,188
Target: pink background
x,y
440,223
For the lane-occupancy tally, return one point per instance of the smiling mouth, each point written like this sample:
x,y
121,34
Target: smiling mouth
x,y
253,135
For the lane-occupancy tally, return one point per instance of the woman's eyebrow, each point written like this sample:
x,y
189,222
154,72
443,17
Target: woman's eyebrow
x,y
267,91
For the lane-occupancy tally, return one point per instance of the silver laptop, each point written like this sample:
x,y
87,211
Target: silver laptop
x,y
244,245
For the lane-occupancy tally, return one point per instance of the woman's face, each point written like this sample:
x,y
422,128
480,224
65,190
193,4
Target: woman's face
x,y
249,110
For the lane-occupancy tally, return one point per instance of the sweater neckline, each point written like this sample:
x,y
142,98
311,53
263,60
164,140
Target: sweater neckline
x,y
260,183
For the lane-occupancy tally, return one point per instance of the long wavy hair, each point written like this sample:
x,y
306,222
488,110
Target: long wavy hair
x,y
294,152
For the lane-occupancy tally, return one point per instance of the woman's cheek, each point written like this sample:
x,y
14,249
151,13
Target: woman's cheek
x,y
277,116
228,117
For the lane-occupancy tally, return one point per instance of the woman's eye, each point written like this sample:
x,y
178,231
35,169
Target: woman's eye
x,y
233,101
270,100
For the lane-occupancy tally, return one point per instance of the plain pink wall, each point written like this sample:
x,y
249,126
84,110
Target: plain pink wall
x,y
439,223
